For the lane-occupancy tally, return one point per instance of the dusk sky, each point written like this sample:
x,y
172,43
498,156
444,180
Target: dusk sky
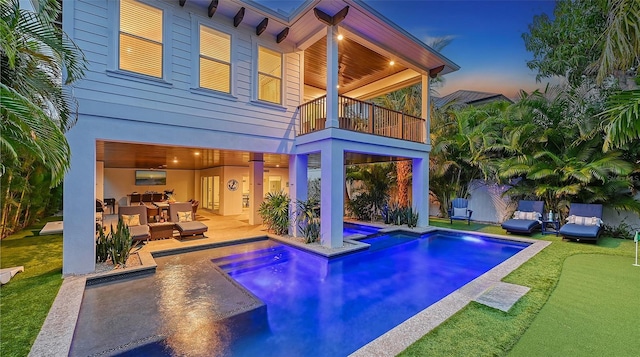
x,y
487,39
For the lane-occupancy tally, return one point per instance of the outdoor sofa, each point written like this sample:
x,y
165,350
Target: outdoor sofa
x,y
526,219
584,222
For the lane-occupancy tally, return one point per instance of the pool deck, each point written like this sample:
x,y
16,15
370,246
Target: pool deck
x,y
56,334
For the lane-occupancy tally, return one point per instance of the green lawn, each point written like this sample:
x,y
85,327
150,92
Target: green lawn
x,y
478,330
592,312
27,298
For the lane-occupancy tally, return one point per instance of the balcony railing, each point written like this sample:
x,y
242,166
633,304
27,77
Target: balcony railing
x,y
364,117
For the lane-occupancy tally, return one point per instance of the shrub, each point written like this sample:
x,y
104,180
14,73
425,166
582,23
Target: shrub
x,y
622,230
116,245
274,211
308,220
102,246
120,244
361,207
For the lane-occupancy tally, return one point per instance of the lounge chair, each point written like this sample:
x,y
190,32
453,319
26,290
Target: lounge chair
x,y
584,222
459,210
138,227
182,215
526,219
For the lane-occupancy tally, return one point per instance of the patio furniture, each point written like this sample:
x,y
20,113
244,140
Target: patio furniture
x,y
182,215
134,198
584,222
161,230
138,227
459,210
526,219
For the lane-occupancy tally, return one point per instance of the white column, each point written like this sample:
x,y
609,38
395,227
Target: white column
x,y
297,186
332,77
78,247
332,199
420,197
426,108
256,188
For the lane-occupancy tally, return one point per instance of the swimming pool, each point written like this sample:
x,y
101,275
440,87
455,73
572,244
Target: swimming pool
x,y
315,306
352,228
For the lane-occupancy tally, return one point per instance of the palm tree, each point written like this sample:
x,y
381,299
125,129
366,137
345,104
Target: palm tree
x,y
552,151
465,142
621,52
35,109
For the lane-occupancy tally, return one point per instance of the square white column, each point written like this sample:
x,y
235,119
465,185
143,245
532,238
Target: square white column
x,y
256,188
78,247
298,183
426,108
331,192
420,187
332,77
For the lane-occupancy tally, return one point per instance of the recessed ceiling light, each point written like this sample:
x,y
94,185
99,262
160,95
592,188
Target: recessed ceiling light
x,y
392,63
340,37
197,153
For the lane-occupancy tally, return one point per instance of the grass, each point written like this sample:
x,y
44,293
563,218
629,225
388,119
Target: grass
x,y
478,330
592,305
27,298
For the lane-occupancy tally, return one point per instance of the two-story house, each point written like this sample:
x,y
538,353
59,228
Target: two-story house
x,y
238,91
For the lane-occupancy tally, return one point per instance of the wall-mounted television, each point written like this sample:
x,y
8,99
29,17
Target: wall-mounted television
x,y
151,178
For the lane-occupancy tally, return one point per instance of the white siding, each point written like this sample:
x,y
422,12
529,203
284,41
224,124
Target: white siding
x,y
109,93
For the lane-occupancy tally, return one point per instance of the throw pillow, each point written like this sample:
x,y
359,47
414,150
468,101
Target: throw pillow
x,y
459,212
184,216
131,219
532,216
584,221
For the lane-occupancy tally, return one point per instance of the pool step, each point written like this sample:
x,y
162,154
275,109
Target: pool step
x,y
239,263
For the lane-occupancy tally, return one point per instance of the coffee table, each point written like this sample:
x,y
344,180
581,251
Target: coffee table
x,y
161,230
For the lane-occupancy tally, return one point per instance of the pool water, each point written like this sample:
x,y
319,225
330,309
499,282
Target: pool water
x,y
314,306
351,229
320,307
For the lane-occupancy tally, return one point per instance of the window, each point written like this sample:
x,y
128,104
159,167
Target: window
x,y
269,75
215,60
140,38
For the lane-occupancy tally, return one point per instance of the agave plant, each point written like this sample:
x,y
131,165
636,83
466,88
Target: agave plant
x,y
119,244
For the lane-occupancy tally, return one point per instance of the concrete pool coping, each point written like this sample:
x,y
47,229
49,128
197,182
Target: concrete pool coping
x,y
57,332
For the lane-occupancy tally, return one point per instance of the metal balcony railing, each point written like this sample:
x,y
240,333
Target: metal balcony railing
x,y
363,117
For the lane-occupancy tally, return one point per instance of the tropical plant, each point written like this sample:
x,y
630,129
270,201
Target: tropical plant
x,y
119,244
412,217
274,211
308,220
35,109
377,180
465,145
102,245
552,150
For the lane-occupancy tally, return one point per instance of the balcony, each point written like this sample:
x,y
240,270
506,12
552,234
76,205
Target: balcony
x,y
364,117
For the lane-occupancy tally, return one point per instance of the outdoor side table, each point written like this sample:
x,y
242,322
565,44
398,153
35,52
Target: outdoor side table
x,y
550,227
161,230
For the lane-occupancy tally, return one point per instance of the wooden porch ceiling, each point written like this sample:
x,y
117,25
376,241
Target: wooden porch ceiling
x,y
357,65
146,156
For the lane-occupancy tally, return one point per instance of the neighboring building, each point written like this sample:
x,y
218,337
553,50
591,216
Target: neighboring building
x,y
469,97
232,99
